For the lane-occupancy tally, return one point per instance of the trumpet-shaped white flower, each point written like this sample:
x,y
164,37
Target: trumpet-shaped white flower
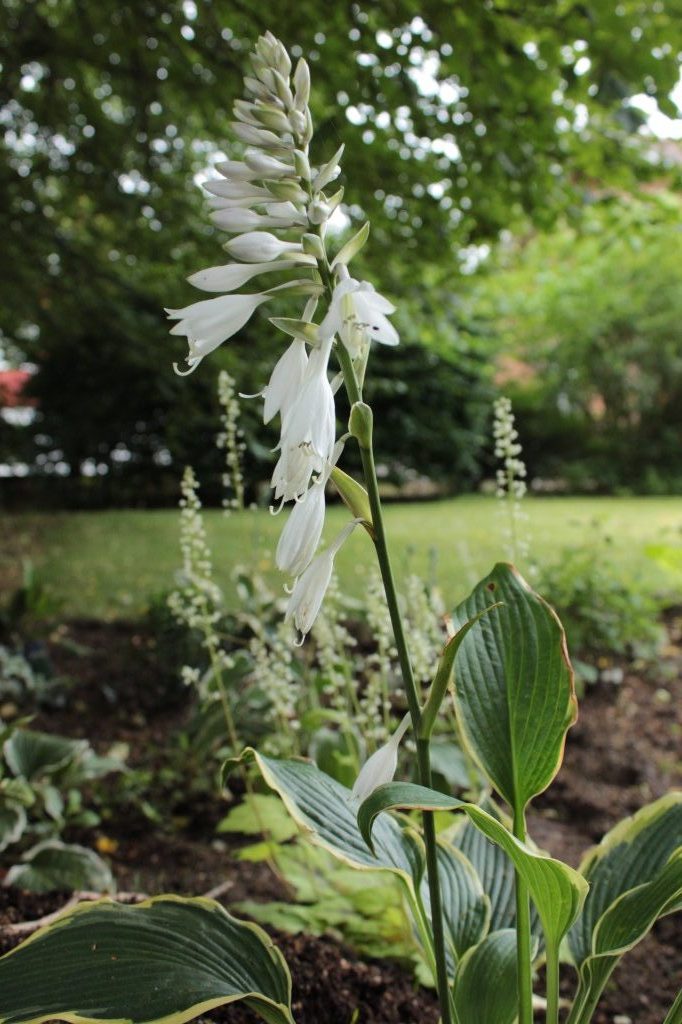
x,y
309,590
209,323
358,314
301,534
312,420
293,471
380,767
286,380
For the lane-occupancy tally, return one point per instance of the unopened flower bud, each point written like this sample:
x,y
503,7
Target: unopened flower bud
x,y
318,212
312,244
298,123
302,85
302,165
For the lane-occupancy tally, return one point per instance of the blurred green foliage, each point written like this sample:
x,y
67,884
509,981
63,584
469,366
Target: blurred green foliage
x,y
459,119
594,321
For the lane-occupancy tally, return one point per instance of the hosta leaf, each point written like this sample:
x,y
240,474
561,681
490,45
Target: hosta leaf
x,y
32,754
54,865
12,824
556,889
624,924
496,872
630,855
169,959
450,761
486,981
513,686
327,811
17,791
466,908
635,877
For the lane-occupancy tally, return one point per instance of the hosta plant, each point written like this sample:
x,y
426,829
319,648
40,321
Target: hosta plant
x,y
41,780
488,906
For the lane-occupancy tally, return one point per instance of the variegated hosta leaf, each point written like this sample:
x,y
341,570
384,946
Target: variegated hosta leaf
x,y
556,889
327,811
514,686
466,908
496,872
631,854
169,959
31,754
486,990
55,865
635,877
12,824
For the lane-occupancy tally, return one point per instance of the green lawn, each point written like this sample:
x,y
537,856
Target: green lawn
x,y
109,563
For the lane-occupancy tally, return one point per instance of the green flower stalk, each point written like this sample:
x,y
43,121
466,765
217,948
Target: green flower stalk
x,y
275,188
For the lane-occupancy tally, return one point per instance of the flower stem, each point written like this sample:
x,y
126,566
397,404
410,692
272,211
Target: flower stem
x,y
423,757
552,979
523,957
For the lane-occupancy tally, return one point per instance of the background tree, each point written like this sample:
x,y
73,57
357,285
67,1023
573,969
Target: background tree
x,y
593,321
459,119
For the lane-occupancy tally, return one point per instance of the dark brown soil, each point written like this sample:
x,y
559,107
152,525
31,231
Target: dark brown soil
x,y
625,751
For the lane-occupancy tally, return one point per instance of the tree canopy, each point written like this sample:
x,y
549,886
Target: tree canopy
x,y
460,120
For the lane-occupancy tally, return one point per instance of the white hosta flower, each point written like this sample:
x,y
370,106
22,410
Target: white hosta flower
x,y
236,169
380,767
227,188
293,471
302,532
357,313
255,136
309,590
233,275
285,382
312,420
209,323
238,218
268,166
260,247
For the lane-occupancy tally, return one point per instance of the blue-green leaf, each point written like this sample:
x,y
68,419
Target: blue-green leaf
x,y
557,890
513,686
486,988
169,959
55,865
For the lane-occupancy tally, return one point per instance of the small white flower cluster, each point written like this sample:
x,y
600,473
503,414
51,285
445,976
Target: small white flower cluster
x,y
274,204
424,620
197,599
230,440
511,477
275,671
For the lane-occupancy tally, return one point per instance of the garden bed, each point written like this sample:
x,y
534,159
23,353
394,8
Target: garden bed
x,y
623,752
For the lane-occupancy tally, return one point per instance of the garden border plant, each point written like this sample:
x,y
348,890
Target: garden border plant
x,y
171,958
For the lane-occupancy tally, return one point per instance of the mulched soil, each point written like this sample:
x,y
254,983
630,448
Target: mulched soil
x,y
625,750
